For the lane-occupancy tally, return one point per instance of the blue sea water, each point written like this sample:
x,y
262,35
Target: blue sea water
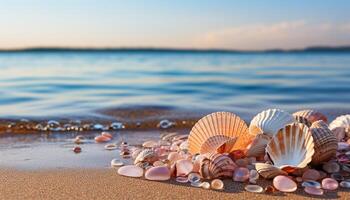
x,y
65,83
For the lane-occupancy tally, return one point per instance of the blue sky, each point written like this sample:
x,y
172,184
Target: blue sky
x,y
233,24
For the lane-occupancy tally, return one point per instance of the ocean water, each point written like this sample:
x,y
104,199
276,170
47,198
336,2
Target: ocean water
x,y
43,84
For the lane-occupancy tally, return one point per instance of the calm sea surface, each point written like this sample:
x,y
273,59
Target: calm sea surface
x,y
65,83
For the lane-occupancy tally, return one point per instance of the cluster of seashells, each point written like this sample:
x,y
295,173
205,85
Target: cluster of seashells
x,y
287,148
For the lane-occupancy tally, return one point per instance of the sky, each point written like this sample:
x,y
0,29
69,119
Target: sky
x,y
227,24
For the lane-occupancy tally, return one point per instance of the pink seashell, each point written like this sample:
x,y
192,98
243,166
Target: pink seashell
x,y
106,134
284,184
159,173
183,167
241,174
329,184
311,174
313,191
101,139
150,144
174,156
131,171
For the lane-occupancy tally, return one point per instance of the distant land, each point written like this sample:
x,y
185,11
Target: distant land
x,y
177,50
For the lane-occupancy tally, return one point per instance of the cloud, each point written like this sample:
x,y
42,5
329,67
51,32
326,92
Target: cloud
x,y
285,35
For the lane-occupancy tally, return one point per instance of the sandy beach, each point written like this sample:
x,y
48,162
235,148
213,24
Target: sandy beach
x,y
107,184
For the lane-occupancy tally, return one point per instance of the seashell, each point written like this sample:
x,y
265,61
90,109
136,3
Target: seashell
x,y
302,120
270,189
269,122
150,144
184,146
77,149
331,167
111,147
311,183
341,127
284,184
168,136
131,171
217,184
181,179
337,176
325,142
135,153
329,184
241,174
101,139
311,115
313,191
268,171
311,174
106,134
183,167
205,185
180,137
254,188
194,177
116,163
146,155
221,131
253,176
292,147
258,145
160,173
216,166
345,184
196,184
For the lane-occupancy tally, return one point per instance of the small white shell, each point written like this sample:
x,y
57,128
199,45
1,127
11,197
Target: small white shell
x,y
341,127
270,121
292,146
146,155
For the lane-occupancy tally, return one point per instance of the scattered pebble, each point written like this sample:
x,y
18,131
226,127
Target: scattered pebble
x,y
77,149
254,188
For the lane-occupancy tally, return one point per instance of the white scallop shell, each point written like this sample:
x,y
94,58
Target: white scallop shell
x,y
220,130
291,147
341,127
270,121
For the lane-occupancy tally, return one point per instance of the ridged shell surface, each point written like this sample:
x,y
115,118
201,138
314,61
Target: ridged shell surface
x,y
325,142
258,146
341,127
217,165
268,171
146,155
292,146
270,121
216,126
311,115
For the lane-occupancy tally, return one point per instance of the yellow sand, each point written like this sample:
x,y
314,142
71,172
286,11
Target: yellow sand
x,y
107,184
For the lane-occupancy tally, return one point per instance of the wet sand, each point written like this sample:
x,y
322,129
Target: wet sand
x,y
107,184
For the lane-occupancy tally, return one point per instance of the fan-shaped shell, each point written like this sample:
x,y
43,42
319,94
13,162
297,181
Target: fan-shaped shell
x,y
147,155
258,145
302,120
269,122
325,142
311,115
341,127
216,166
291,147
268,171
218,129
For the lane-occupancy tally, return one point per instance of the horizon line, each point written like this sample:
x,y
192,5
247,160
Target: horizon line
x,y
343,48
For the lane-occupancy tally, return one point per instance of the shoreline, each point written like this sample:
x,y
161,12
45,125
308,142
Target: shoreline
x,y
106,183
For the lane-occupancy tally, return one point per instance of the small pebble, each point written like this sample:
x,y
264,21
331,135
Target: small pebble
x,y
116,163
181,179
313,191
205,185
345,184
217,184
329,184
77,149
311,183
331,167
254,188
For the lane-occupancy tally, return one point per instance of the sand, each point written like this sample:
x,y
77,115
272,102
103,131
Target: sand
x,y
107,184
